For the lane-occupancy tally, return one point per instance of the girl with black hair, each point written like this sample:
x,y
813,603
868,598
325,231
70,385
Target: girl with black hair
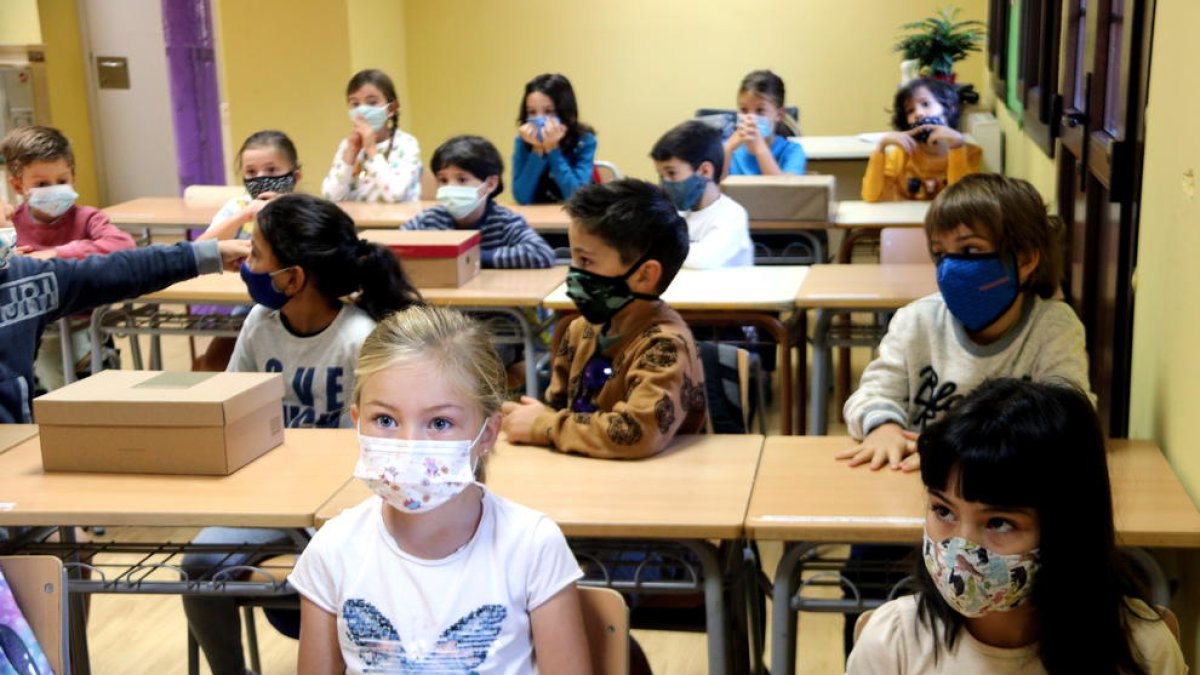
x,y
1020,570
926,152
306,262
376,162
554,152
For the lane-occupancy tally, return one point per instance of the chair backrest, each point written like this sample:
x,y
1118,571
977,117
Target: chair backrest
x,y
726,119
903,245
39,587
605,172
212,193
606,622
429,186
733,382
861,623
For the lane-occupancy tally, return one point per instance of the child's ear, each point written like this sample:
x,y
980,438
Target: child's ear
x,y
296,281
707,170
296,173
491,434
16,185
1027,262
354,414
647,277
491,183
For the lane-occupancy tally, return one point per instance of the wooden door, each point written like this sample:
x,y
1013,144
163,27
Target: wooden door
x,y
1105,67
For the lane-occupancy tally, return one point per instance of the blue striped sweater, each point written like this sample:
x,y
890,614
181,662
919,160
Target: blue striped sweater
x,y
507,240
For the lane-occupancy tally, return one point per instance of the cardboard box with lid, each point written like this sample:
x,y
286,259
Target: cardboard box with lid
x,y
433,258
138,421
784,197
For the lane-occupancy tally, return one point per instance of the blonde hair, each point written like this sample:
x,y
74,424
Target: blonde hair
x,y
459,347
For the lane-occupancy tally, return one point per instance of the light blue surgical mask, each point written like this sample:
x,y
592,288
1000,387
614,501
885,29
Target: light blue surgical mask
x,y
766,126
375,115
52,200
460,200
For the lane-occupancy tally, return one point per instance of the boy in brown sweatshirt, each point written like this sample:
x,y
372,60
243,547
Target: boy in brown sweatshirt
x,y
627,375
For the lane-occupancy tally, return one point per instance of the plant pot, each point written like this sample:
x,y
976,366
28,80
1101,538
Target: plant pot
x,y
948,79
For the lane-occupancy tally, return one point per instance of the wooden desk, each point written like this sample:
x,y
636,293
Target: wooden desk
x,y
831,289
803,494
12,435
826,148
283,488
738,296
878,215
690,494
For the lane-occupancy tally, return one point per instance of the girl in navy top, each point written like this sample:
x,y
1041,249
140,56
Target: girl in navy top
x,y
554,150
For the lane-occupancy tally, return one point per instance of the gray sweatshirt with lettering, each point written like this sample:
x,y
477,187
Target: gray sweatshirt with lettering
x,y
927,363
35,293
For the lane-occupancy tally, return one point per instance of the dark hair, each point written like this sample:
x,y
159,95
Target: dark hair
x,y
35,143
270,138
559,90
320,238
475,155
1018,443
1010,213
768,85
693,142
637,219
943,92
379,80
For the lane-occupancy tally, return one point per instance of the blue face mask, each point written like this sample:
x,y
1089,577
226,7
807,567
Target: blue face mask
x,y
977,287
766,126
262,287
539,123
685,193
375,115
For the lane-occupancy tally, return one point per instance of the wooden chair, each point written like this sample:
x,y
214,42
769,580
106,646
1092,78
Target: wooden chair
x,y
606,622
212,193
39,585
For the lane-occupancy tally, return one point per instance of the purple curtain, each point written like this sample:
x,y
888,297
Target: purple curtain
x,y
192,70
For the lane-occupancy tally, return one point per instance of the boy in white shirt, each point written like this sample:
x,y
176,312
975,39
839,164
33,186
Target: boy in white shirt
x,y
690,159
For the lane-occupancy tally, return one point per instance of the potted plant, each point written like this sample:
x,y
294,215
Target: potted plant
x,y
936,43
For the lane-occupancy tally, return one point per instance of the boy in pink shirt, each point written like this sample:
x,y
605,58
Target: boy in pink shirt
x,y
41,168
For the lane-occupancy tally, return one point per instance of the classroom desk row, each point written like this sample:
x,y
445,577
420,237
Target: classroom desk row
x,y
700,490
772,298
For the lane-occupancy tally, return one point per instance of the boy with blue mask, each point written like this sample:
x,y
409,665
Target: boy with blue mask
x,y
469,172
627,375
690,160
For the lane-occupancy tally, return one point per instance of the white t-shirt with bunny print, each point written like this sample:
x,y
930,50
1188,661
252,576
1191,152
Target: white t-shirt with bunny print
x,y
390,176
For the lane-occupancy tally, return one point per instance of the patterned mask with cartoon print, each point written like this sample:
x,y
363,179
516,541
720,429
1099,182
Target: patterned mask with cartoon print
x,y
975,581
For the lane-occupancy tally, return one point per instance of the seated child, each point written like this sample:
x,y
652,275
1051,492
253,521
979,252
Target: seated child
x,y
554,152
469,174
49,224
627,375
35,293
690,162
1020,570
759,145
925,153
377,161
435,574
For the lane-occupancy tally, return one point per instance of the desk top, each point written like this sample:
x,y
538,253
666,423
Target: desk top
x,y
283,488
803,494
12,435
866,286
881,214
491,288
697,488
184,214
818,148
760,288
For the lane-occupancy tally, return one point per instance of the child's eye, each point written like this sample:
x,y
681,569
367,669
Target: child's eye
x,y
441,424
384,421
942,513
1001,525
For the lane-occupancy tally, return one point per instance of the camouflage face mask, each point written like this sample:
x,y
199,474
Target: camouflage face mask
x,y
600,297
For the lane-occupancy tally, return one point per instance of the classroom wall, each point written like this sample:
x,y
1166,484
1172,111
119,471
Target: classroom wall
x,y
70,109
1024,158
378,40
19,22
284,65
641,67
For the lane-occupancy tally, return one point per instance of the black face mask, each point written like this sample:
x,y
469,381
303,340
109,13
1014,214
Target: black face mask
x,y
260,184
923,135
599,297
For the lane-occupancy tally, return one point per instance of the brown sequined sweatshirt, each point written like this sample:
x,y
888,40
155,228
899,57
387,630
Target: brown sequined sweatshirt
x,y
656,389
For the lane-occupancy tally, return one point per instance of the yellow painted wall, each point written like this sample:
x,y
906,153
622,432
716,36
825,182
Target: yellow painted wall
x,y
1024,158
69,108
641,67
284,65
377,40
19,22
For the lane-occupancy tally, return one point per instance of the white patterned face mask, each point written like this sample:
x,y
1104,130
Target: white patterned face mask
x,y
974,580
416,476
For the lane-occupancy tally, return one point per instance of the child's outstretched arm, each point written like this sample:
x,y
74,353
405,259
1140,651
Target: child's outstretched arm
x,y
100,237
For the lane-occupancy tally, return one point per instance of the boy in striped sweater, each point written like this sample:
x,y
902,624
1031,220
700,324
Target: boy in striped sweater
x,y
468,171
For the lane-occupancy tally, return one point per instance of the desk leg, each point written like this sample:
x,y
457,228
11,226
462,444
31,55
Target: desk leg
x,y
820,373
94,331
716,618
783,618
68,350
77,614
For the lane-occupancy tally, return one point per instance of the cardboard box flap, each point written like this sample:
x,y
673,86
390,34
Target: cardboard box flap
x,y
425,243
784,197
158,399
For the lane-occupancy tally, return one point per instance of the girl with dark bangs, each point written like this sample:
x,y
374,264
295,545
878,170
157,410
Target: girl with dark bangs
x,y
1020,574
554,152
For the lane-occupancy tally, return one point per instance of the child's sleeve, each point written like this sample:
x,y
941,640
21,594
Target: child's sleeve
x,y
552,565
721,243
100,280
338,182
883,170
882,647
313,577
963,161
560,368
792,159
527,171
1062,356
574,172
882,394
522,247
644,422
100,237
242,360
395,176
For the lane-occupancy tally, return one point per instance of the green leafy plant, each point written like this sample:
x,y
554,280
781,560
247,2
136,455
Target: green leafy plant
x,y
937,42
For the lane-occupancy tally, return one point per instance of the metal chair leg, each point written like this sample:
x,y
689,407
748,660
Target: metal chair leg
x,y
252,638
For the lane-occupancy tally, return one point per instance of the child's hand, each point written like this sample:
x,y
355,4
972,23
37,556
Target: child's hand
x,y
942,134
233,252
22,250
528,132
519,418
886,445
552,133
44,254
366,136
353,145
748,130
901,140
